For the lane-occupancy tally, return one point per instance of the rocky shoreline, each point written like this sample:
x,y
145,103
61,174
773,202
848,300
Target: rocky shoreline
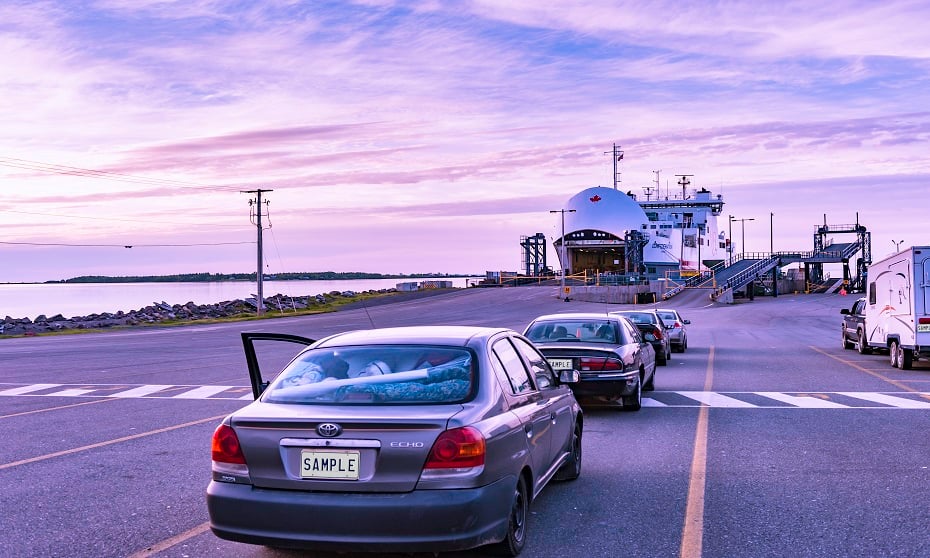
x,y
161,312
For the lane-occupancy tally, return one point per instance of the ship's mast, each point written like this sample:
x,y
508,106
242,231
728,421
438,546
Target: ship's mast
x,y
617,156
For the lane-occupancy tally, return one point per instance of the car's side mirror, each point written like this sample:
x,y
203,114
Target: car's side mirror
x,y
844,311
686,322
569,376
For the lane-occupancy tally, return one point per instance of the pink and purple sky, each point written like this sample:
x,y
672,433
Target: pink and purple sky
x,y
424,137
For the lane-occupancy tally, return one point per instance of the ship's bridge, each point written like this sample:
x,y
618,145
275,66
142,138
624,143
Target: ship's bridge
x,y
597,223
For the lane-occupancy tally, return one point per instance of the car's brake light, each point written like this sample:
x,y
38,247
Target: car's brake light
x,y
598,364
457,448
226,448
923,320
658,333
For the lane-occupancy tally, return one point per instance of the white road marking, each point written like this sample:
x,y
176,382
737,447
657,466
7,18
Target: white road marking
x,y
203,392
140,391
657,399
805,402
713,399
891,400
73,392
27,389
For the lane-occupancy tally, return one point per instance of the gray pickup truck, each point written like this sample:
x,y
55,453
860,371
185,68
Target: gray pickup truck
x,y
854,327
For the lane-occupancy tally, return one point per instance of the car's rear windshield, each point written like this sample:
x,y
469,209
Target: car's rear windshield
x,y
376,375
587,331
640,317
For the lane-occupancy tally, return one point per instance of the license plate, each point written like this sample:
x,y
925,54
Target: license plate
x,y
329,464
560,363
923,327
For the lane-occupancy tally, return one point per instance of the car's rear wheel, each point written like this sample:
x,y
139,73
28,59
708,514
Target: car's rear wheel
x,y
661,359
861,344
634,401
571,469
513,544
847,344
650,384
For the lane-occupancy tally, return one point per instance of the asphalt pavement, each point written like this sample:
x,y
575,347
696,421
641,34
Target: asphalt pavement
x,y
766,438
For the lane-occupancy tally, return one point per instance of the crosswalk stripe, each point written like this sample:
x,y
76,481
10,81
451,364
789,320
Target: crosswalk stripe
x,y
140,391
805,402
73,392
202,392
712,399
656,399
27,389
891,400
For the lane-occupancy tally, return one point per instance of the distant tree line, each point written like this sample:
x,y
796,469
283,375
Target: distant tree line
x,y
208,277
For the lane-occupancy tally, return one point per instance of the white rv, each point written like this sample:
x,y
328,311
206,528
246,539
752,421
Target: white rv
x,y
897,312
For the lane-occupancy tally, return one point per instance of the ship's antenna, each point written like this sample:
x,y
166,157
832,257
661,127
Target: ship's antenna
x,y
684,182
658,185
617,156
648,190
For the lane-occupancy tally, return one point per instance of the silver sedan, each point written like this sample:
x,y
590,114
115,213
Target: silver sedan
x,y
419,439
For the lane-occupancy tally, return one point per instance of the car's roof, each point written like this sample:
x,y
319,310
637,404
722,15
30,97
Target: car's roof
x,y
634,311
425,335
574,316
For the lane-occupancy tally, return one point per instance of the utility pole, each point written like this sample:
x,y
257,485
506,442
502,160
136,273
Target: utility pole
x,y
256,206
618,156
562,247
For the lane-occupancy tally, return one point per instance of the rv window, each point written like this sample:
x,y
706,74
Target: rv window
x,y
872,293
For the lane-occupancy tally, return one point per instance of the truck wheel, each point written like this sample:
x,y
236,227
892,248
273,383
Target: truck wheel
x,y
905,358
893,353
860,343
847,344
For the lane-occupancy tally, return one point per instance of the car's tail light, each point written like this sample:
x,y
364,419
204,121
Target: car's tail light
x,y
457,449
228,460
676,324
658,333
599,364
226,448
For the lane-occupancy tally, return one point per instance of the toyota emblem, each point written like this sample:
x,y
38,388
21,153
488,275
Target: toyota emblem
x,y
328,430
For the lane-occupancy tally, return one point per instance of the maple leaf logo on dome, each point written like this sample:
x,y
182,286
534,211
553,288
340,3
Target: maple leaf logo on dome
x,y
595,198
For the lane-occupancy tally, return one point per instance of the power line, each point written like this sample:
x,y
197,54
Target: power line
x,y
104,175
147,221
126,245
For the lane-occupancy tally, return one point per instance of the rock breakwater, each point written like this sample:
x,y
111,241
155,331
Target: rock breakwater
x,y
161,312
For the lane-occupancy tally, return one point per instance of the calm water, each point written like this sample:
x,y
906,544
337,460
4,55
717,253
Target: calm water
x,y
74,299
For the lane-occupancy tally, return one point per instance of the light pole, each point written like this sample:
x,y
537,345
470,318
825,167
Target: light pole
x,y
742,223
771,234
730,237
897,245
562,245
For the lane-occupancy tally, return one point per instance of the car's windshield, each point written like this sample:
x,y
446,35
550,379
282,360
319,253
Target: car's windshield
x,y
588,331
376,375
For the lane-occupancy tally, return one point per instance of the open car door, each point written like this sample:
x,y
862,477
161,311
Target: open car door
x,y
251,356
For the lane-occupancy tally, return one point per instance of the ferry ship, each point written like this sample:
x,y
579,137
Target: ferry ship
x,y
607,231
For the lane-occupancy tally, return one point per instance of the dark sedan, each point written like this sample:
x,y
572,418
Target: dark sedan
x,y
654,329
615,362
418,439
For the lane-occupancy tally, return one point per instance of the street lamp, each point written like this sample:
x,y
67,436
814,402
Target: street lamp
x,y
562,245
742,222
730,237
897,245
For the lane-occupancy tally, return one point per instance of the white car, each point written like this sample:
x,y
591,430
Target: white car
x,y
675,325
